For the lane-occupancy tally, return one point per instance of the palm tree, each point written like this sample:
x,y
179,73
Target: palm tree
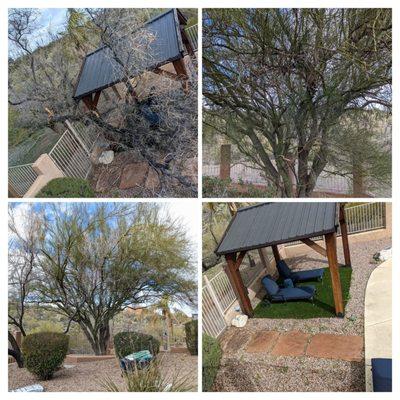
x,y
167,312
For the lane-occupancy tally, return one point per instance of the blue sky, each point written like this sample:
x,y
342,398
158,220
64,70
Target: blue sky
x,y
50,20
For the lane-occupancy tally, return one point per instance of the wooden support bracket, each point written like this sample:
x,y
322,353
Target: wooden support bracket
x,y
310,243
345,236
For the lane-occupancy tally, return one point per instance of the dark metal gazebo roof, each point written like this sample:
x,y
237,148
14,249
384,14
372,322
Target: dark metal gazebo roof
x,y
99,71
269,224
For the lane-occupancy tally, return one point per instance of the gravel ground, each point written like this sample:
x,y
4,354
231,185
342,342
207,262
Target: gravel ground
x,y
241,371
89,377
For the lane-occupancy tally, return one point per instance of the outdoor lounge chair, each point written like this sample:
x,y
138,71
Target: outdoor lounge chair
x,y
139,360
287,293
382,374
300,276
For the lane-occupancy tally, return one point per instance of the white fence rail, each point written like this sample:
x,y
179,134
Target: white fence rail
x,y
218,294
365,217
71,154
192,33
246,174
213,317
21,178
72,151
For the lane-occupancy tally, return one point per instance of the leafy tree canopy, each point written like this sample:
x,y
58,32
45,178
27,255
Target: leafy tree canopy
x,y
278,81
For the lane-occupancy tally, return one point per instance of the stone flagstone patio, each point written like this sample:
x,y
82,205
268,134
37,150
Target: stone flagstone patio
x,y
297,344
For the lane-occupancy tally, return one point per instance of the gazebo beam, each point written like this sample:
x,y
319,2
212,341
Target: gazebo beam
x,y
345,237
331,252
91,101
263,258
316,247
275,251
237,284
181,71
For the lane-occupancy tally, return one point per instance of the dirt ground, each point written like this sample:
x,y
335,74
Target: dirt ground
x,y
90,376
243,371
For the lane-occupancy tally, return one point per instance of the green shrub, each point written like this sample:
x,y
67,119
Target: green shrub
x,y
67,187
216,187
44,352
191,337
211,359
130,342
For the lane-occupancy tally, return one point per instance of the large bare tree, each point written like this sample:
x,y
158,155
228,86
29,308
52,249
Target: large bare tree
x,y
278,82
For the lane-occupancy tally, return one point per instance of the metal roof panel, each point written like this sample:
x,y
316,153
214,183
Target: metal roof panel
x,y
100,70
268,224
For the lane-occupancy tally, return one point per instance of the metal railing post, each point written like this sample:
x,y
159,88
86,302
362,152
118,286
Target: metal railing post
x,y
78,138
213,296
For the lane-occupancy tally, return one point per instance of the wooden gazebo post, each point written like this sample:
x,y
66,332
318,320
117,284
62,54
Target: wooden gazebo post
x,y
345,237
331,253
275,251
232,270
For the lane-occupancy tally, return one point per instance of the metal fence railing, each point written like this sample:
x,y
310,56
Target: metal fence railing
x,y
222,288
219,296
71,154
249,175
86,134
365,217
192,33
21,178
213,316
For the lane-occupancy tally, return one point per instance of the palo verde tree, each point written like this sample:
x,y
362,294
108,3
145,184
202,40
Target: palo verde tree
x,y
95,260
277,82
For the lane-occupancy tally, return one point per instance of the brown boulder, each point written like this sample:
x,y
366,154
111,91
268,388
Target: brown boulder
x,y
134,175
152,181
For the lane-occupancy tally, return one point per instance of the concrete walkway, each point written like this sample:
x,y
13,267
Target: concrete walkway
x,y
378,318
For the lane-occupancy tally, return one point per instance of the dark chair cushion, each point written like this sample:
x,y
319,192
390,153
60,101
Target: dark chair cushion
x,y
293,294
382,374
308,275
288,283
284,270
270,285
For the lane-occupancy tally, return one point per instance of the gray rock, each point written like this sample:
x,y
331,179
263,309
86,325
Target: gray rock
x,y
30,388
106,157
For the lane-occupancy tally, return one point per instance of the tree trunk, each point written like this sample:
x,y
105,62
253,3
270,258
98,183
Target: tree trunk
x,y
98,338
15,351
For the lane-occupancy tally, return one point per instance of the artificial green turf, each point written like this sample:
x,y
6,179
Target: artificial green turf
x,y
322,307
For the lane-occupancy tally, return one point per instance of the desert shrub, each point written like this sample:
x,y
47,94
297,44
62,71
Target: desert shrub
x,y
151,379
130,342
191,337
211,359
44,353
67,187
